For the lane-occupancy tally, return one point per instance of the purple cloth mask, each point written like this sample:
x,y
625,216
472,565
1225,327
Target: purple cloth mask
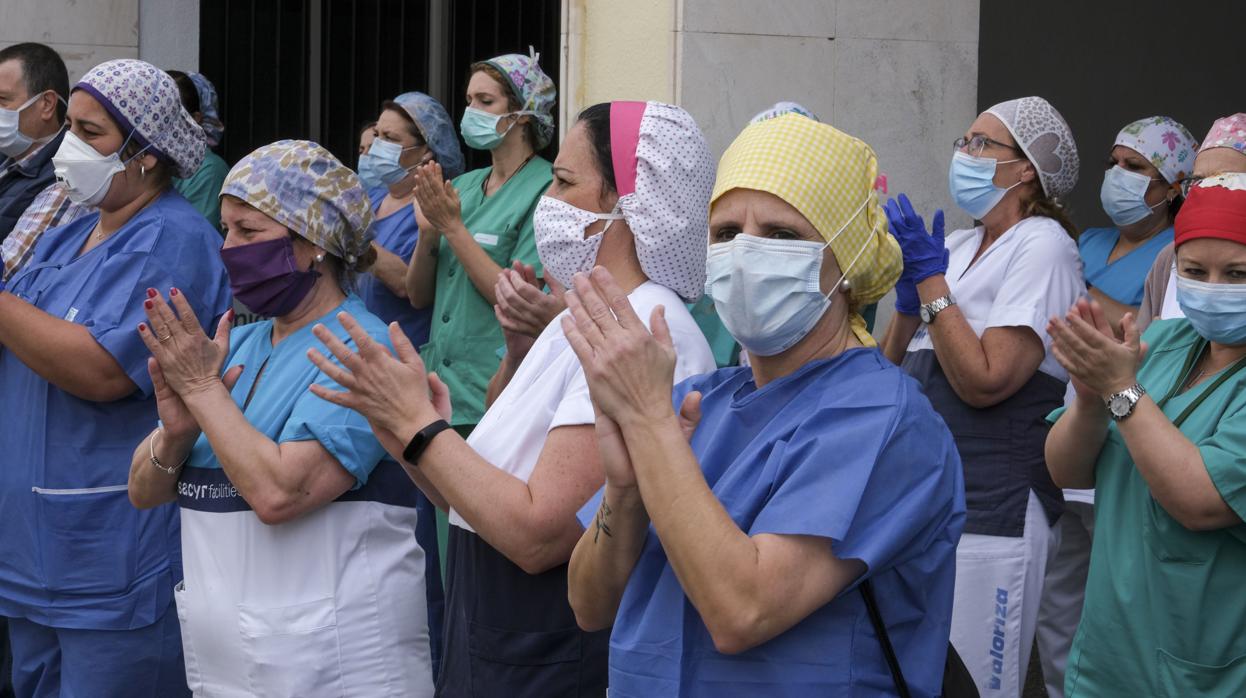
x,y
265,276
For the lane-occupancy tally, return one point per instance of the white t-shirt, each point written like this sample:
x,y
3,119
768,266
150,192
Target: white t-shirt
x,y
1032,272
549,390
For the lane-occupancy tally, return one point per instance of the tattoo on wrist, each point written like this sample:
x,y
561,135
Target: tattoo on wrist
x,y
603,516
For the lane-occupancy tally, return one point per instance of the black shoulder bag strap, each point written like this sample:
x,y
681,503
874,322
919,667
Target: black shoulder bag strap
x,y
876,618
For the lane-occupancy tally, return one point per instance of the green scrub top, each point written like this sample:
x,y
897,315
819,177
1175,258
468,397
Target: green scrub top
x,y
465,335
203,188
726,350
1164,608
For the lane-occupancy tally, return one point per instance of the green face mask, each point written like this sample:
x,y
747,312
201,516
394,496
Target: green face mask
x,y
480,128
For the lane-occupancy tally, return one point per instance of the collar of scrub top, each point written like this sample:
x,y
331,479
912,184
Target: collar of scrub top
x,y
625,118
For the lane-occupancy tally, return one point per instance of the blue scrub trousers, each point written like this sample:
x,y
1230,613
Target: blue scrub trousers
x,y
66,663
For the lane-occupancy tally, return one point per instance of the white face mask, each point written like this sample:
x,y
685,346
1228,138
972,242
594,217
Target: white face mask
x,y
85,174
560,241
12,141
768,292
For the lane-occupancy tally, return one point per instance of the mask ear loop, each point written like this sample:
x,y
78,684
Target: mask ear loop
x,y
844,275
609,218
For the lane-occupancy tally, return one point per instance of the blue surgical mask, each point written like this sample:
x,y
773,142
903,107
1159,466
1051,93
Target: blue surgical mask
x,y
381,162
480,128
1217,311
368,174
767,292
972,183
1124,195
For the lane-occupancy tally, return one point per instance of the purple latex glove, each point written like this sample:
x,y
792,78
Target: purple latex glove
x,y
907,300
925,254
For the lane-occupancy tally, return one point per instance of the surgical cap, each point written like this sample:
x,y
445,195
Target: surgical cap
x,y
1167,144
145,103
1227,132
1215,208
435,127
1045,139
531,87
781,108
828,176
664,174
212,125
302,186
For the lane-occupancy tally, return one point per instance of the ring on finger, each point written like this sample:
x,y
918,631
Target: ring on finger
x,y
165,338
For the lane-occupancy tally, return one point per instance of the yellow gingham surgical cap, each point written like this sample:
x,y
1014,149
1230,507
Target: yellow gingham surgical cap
x,y
827,176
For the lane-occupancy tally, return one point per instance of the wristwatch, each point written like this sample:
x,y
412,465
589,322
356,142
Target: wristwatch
x,y
928,311
421,440
1121,405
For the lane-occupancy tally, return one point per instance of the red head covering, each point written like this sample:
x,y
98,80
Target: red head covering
x,y
1214,209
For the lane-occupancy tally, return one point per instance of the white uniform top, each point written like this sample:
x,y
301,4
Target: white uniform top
x,y
549,390
1044,272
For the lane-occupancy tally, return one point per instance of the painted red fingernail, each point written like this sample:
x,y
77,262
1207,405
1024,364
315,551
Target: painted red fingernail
x,y
142,327
173,291
151,293
149,305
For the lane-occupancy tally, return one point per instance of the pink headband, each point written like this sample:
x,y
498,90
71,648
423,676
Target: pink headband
x,y
624,137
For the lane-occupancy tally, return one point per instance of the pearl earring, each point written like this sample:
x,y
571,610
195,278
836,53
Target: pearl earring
x,y
319,258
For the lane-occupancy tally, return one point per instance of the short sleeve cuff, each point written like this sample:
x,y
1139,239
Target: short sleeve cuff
x,y
1019,316
343,443
1229,478
125,346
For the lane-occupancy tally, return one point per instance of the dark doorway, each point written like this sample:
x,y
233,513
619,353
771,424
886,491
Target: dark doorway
x,y
318,69
1104,64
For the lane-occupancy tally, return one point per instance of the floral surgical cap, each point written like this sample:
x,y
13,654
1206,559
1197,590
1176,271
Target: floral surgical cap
x,y
664,174
212,125
1045,139
781,108
828,176
532,88
1167,144
302,186
146,104
1227,132
436,128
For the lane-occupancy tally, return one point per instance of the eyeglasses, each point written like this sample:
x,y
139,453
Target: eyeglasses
x,y
974,146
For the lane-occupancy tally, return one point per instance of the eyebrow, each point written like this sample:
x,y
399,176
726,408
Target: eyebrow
x,y
557,169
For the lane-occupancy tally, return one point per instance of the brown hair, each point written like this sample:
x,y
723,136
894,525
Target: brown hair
x,y
513,101
1039,204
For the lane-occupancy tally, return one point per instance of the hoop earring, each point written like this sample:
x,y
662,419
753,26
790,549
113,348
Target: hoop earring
x,y
142,171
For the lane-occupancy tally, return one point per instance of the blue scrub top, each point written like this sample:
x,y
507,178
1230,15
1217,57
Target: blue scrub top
x,y
846,448
1122,280
283,409
75,553
398,233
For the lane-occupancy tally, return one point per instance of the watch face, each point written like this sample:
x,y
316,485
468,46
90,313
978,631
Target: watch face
x,y
1119,405
925,314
